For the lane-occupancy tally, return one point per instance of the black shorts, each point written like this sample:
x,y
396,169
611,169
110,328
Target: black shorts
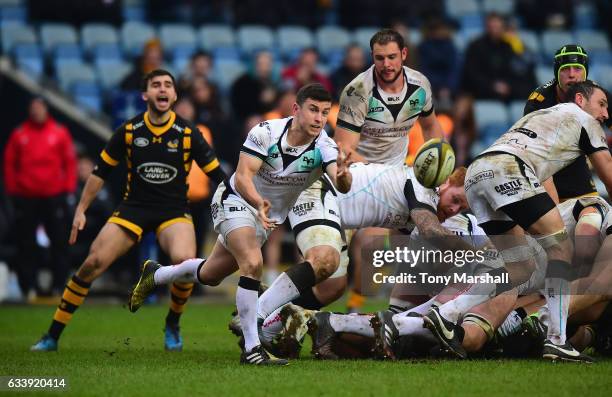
x,y
140,219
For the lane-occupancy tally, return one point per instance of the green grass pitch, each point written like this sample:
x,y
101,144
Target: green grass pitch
x,y
107,351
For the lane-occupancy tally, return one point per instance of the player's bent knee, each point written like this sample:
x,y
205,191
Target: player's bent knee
x,y
478,331
251,268
324,260
92,267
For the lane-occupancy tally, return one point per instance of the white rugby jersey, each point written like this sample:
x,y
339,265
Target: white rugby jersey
x,y
286,171
383,195
550,139
383,120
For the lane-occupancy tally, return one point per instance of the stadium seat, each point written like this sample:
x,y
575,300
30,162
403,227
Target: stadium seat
x,y
458,8
488,112
592,40
107,55
543,74
134,35
68,74
331,38
94,34
472,21
603,75
13,34
584,16
87,95
255,37
464,37
13,14
504,7
516,110
29,58
54,34
12,3
363,35
226,72
293,39
530,40
110,74
415,37
174,35
211,37
226,54
67,54
552,40
600,57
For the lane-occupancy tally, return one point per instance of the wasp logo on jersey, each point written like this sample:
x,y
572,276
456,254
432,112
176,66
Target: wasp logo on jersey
x,y
157,173
173,145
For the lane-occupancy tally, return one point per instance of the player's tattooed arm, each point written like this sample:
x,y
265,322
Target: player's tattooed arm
x,y
430,227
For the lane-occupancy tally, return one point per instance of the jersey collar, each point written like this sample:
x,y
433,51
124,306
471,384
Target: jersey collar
x,y
158,130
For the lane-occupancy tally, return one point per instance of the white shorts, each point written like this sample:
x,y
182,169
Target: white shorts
x,y
230,212
496,180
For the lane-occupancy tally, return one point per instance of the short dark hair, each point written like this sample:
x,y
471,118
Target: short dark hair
x,y
154,73
386,36
314,91
586,88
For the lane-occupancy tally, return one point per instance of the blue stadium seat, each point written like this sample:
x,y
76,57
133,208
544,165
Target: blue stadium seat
x,y
13,34
134,35
592,40
226,54
181,55
530,40
125,105
87,95
177,34
29,58
226,72
293,38
504,7
12,3
516,110
215,36
488,112
464,37
95,34
331,38
543,74
363,35
68,74
53,34
110,74
552,40
458,8
107,55
585,16
603,75
472,21
67,54
255,37
13,14
600,57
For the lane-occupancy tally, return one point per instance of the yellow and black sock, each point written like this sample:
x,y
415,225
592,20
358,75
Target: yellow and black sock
x,y
179,293
74,295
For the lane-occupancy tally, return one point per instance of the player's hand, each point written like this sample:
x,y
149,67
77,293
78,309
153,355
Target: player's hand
x,y
78,223
262,214
343,162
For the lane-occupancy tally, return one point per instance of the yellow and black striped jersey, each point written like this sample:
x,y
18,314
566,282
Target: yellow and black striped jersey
x,y
158,159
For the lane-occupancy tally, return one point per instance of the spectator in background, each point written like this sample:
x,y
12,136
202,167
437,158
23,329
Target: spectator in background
x,y
198,192
353,64
487,73
98,212
541,14
40,174
200,67
439,60
255,91
284,106
304,71
205,97
152,58
412,60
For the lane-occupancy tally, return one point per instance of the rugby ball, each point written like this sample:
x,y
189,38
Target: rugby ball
x,y
434,162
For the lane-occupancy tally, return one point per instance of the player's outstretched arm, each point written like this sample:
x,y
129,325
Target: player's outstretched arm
x,y
349,141
247,168
339,171
431,127
92,187
602,162
430,227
